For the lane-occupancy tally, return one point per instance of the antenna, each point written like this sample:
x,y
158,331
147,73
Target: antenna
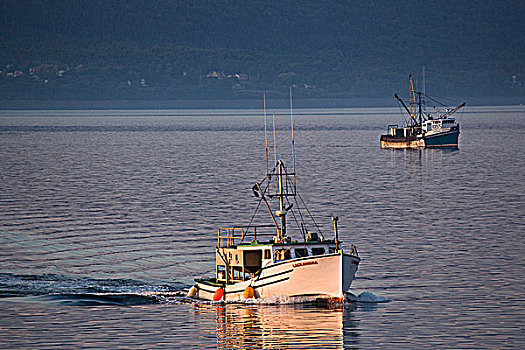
x,y
265,132
293,142
274,145
424,83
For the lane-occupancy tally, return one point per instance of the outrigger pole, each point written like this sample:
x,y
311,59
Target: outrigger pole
x,y
402,103
454,110
258,187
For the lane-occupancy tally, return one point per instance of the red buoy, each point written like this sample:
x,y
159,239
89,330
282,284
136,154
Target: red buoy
x,y
219,293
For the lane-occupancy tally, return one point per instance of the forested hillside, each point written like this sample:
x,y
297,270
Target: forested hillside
x,y
195,49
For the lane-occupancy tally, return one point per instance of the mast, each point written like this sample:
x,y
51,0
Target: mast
x,y
282,211
336,237
274,147
293,142
412,100
420,109
282,181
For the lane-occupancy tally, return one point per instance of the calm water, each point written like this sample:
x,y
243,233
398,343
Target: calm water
x,y
107,216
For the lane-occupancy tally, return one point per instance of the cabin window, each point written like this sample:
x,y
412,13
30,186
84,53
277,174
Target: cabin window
x,y
221,272
283,254
318,251
312,236
300,252
267,254
237,273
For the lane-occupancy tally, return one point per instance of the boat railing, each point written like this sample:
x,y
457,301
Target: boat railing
x,y
231,236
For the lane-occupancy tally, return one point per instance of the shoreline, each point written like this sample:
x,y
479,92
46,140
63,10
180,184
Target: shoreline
x,y
233,104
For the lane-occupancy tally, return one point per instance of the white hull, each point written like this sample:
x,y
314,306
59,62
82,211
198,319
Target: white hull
x,y
314,277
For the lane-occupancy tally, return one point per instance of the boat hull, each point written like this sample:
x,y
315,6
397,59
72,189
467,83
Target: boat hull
x,y
448,139
388,141
325,277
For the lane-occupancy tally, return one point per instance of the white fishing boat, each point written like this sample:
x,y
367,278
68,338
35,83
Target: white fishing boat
x,y
278,260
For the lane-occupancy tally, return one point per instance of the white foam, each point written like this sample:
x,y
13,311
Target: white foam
x,y
280,299
366,297
274,300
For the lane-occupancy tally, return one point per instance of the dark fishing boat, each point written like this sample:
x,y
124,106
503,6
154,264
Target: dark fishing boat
x,y
422,128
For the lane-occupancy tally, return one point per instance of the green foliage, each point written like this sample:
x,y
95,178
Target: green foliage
x,y
330,48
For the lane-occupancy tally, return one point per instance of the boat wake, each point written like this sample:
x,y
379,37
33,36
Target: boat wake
x,y
125,292
87,291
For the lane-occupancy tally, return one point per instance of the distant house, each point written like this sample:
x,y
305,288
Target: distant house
x,y
288,75
17,73
43,68
216,75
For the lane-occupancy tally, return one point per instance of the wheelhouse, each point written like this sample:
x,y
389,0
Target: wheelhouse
x,y
236,262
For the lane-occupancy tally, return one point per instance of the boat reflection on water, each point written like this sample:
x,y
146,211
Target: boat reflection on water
x,y
242,326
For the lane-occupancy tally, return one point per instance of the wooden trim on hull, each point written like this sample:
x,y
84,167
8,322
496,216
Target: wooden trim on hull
x,y
402,144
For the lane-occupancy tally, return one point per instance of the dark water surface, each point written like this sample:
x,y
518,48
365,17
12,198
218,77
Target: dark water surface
x,y
107,216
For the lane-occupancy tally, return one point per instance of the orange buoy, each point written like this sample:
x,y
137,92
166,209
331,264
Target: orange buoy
x,y
219,293
194,290
248,292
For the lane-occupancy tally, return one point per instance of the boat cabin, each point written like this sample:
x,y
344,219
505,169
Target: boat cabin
x,y
395,131
240,262
438,124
